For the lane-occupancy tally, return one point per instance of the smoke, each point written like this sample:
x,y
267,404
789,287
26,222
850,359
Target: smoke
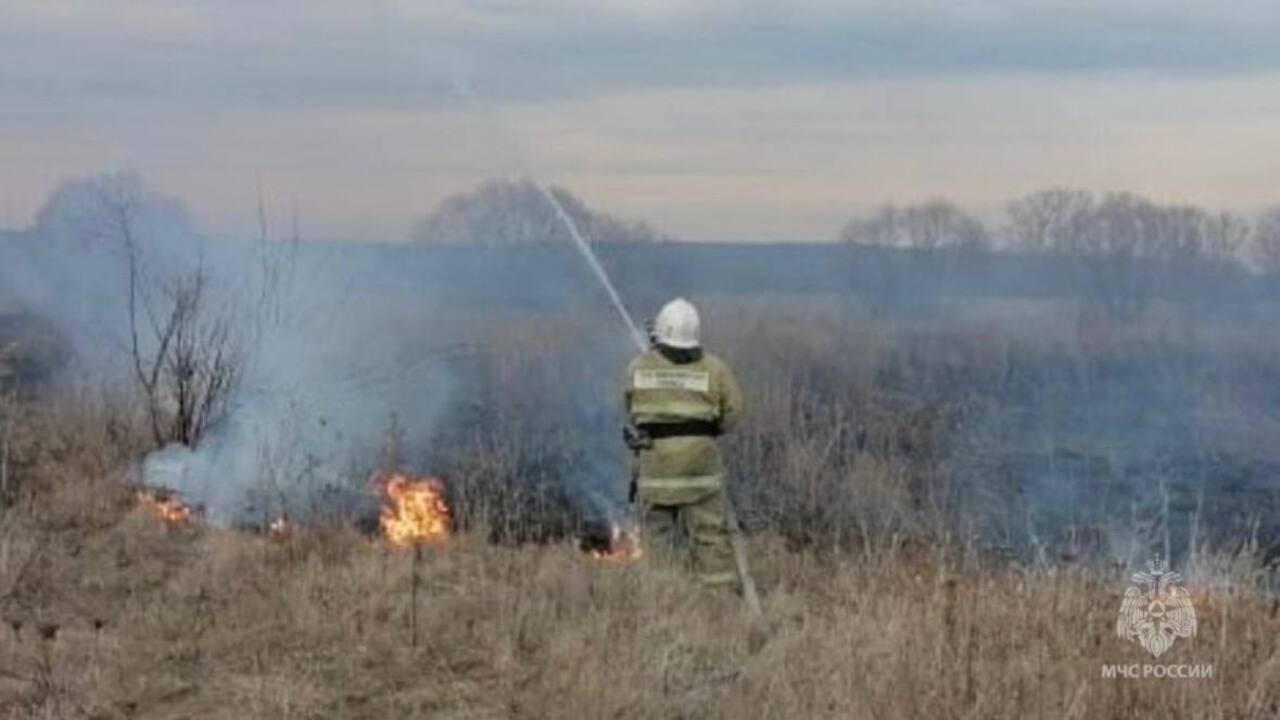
x,y
352,355
71,267
339,369
338,354
1023,410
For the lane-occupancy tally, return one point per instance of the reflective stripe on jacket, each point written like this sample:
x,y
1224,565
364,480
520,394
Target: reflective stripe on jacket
x,y
658,391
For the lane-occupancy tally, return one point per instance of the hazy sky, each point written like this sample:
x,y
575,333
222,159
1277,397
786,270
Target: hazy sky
x,y
722,119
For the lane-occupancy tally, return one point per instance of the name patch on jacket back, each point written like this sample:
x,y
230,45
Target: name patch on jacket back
x,y
672,379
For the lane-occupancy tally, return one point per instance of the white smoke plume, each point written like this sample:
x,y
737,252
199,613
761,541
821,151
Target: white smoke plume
x,y
335,365
336,350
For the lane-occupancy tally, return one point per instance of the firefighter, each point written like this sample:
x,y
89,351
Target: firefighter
x,y
678,400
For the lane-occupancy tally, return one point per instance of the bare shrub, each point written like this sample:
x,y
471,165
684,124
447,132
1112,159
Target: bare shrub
x,y
188,367
516,452
183,347
185,354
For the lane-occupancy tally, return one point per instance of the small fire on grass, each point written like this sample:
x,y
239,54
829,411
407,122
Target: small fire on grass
x,y
166,506
619,545
414,510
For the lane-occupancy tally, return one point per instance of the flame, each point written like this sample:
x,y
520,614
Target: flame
x,y
624,546
414,510
166,507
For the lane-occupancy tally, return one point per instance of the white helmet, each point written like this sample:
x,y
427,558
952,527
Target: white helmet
x,y
677,325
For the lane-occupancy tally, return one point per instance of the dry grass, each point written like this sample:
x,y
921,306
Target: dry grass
x,y
164,622
871,609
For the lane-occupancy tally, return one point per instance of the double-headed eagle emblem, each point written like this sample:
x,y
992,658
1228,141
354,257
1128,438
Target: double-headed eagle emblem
x,y
1157,610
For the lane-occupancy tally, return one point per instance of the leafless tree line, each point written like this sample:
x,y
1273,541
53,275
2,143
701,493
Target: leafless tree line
x,y
1126,248
507,212
1078,222
934,225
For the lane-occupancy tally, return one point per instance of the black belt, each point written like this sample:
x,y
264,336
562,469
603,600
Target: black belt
x,y
687,428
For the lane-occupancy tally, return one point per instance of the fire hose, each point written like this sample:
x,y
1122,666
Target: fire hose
x,y
749,594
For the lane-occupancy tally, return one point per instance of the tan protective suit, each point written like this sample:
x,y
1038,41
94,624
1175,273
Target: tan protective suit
x,y
680,478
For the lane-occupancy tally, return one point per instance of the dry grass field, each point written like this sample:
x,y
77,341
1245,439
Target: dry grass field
x,y
109,612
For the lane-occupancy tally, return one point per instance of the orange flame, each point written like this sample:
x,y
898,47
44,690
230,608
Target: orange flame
x,y
624,546
166,507
413,511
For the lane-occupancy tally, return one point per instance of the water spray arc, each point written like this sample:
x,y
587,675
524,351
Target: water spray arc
x,y
584,247
469,97
749,593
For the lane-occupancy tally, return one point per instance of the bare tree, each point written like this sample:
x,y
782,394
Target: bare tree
x,y
935,225
1266,242
1225,237
188,365
1212,277
1118,246
1128,249
913,252
184,354
1049,220
882,229
202,365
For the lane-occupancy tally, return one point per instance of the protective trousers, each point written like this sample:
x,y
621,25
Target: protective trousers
x,y
693,534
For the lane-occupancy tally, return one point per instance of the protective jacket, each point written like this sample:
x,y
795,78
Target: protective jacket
x,y
682,406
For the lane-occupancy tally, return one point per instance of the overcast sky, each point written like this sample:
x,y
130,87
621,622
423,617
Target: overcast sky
x,y
713,120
